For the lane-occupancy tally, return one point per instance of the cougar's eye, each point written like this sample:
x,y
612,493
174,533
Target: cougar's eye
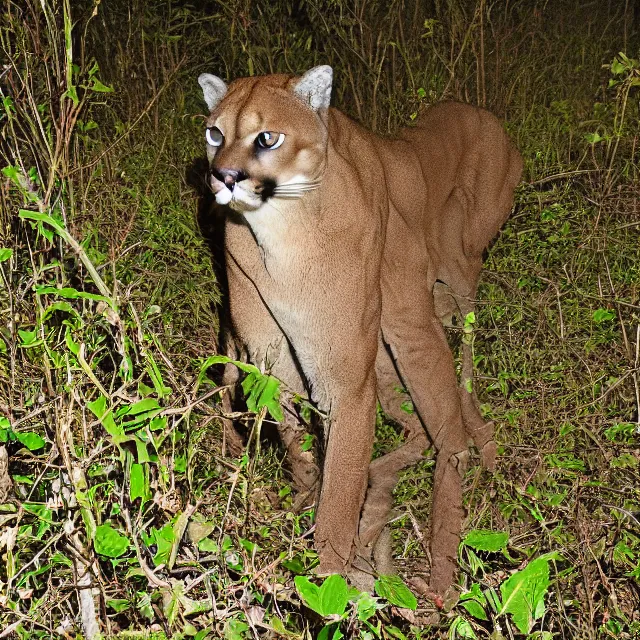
x,y
214,136
269,140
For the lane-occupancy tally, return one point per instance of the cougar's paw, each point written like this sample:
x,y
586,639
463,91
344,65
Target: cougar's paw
x,y
330,561
361,573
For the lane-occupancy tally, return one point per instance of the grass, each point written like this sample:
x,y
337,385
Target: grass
x,y
109,305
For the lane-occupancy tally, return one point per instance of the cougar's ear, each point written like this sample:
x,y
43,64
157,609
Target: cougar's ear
x,y
213,89
314,87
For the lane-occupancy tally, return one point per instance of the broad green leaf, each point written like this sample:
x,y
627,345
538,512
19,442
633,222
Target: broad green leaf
x,y
138,483
603,315
163,539
143,406
294,565
523,593
31,440
235,630
180,464
36,216
330,632
251,547
484,540
5,254
394,632
61,306
475,609
366,606
260,390
460,628
333,595
309,592
99,408
395,591
172,602
118,604
109,542
98,86
70,293
269,398
27,338
207,545
40,510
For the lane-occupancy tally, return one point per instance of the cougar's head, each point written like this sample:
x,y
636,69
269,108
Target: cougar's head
x,y
266,136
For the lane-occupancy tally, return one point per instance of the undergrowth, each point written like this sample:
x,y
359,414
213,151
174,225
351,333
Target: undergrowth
x,y
120,513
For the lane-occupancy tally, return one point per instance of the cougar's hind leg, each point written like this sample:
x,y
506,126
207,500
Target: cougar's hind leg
x,y
452,309
383,472
424,361
375,547
480,430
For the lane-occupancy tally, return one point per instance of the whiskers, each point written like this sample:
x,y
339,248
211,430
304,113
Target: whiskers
x,y
294,190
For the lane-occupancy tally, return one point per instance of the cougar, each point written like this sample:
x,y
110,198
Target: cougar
x,y
344,252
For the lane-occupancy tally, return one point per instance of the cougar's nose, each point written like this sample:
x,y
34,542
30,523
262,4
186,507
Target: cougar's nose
x,y
229,176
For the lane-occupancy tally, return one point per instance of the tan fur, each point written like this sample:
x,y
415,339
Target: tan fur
x,y
333,291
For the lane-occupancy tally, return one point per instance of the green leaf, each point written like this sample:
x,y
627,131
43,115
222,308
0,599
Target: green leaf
x,y
235,630
31,440
62,306
143,406
5,254
208,545
593,138
251,547
603,315
269,398
475,609
260,390
163,539
366,606
108,542
118,604
295,565
395,591
394,632
484,540
40,511
309,592
460,628
523,593
70,293
98,86
72,94
27,338
138,483
99,408
333,595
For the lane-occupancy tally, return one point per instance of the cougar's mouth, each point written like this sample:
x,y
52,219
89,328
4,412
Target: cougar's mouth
x,y
241,195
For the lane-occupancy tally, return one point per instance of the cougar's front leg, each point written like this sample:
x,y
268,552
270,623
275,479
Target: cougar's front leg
x,y
262,339
349,445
